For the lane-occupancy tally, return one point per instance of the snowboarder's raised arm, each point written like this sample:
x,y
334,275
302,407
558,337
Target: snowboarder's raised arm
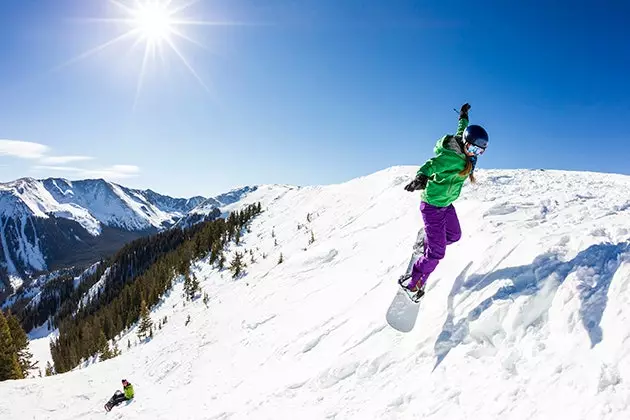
x,y
463,119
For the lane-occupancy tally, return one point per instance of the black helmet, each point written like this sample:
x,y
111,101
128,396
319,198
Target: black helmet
x,y
476,135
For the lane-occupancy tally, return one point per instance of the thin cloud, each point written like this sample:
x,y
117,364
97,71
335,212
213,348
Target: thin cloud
x,y
60,160
22,149
57,168
113,172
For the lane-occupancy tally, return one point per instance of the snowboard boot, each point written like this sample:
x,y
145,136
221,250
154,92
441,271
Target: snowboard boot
x,y
416,291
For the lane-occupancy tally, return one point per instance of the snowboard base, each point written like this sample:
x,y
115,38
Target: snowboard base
x,y
402,312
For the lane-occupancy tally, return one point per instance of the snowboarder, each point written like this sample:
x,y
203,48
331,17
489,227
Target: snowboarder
x,y
120,396
442,178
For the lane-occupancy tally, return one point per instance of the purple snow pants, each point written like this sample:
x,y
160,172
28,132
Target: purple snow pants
x,y
441,228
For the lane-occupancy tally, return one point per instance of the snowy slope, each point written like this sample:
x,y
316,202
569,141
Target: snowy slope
x,y
528,316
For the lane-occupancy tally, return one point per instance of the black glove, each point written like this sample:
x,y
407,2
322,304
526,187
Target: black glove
x,y
463,112
419,183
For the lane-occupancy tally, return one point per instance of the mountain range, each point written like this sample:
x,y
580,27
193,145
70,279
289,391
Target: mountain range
x,y
54,223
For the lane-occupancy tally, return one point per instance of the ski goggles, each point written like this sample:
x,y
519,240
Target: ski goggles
x,y
476,150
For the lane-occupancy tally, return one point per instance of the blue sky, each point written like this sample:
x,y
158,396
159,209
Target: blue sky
x,y
311,92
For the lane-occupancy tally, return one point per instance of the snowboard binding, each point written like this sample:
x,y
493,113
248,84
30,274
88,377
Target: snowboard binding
x,y
416,294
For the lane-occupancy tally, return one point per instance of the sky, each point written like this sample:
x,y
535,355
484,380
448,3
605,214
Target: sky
x,y
306,92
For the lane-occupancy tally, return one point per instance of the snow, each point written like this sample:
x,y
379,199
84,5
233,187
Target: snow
x,y
28,196
34,290
90,270
15,282
527,317
39,346
96,287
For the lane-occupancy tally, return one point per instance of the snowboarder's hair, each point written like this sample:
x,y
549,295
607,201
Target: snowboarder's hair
x,y
468,170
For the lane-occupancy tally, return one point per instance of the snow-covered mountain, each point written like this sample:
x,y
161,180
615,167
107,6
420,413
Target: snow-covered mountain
x,y
116,206
528,315
45,223
214,207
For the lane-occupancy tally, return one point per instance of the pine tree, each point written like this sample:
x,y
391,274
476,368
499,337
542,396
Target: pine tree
x,y
49,369
206,299
237,265
281,259
191,286
103,347
128,344
221,261
187,321
20,344
308,217
145,321
9,365
312,238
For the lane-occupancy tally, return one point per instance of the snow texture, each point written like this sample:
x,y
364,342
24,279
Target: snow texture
x,y
527,317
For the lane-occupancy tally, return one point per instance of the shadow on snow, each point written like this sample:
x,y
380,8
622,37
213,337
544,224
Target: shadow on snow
x,y
594,268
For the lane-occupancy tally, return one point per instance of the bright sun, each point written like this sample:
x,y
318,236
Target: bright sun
x,y
158,25
154,22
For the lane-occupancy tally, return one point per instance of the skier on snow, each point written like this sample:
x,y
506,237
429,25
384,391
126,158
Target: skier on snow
x,y
119,396
442,178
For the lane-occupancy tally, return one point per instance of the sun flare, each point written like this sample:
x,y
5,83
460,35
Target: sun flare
x,y
159,26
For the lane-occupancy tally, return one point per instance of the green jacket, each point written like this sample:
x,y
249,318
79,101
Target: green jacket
x,y
128,391
445,183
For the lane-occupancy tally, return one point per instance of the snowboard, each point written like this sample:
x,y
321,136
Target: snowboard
x,y
403,311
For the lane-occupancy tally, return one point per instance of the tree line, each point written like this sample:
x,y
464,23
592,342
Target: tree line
x,y
140,272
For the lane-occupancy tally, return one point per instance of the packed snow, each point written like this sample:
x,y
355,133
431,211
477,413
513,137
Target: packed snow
x,y
527,317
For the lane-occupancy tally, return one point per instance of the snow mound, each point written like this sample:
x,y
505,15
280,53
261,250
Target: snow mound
x,y
528,316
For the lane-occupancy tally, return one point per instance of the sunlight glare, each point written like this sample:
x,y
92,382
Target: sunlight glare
x,y
154,22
